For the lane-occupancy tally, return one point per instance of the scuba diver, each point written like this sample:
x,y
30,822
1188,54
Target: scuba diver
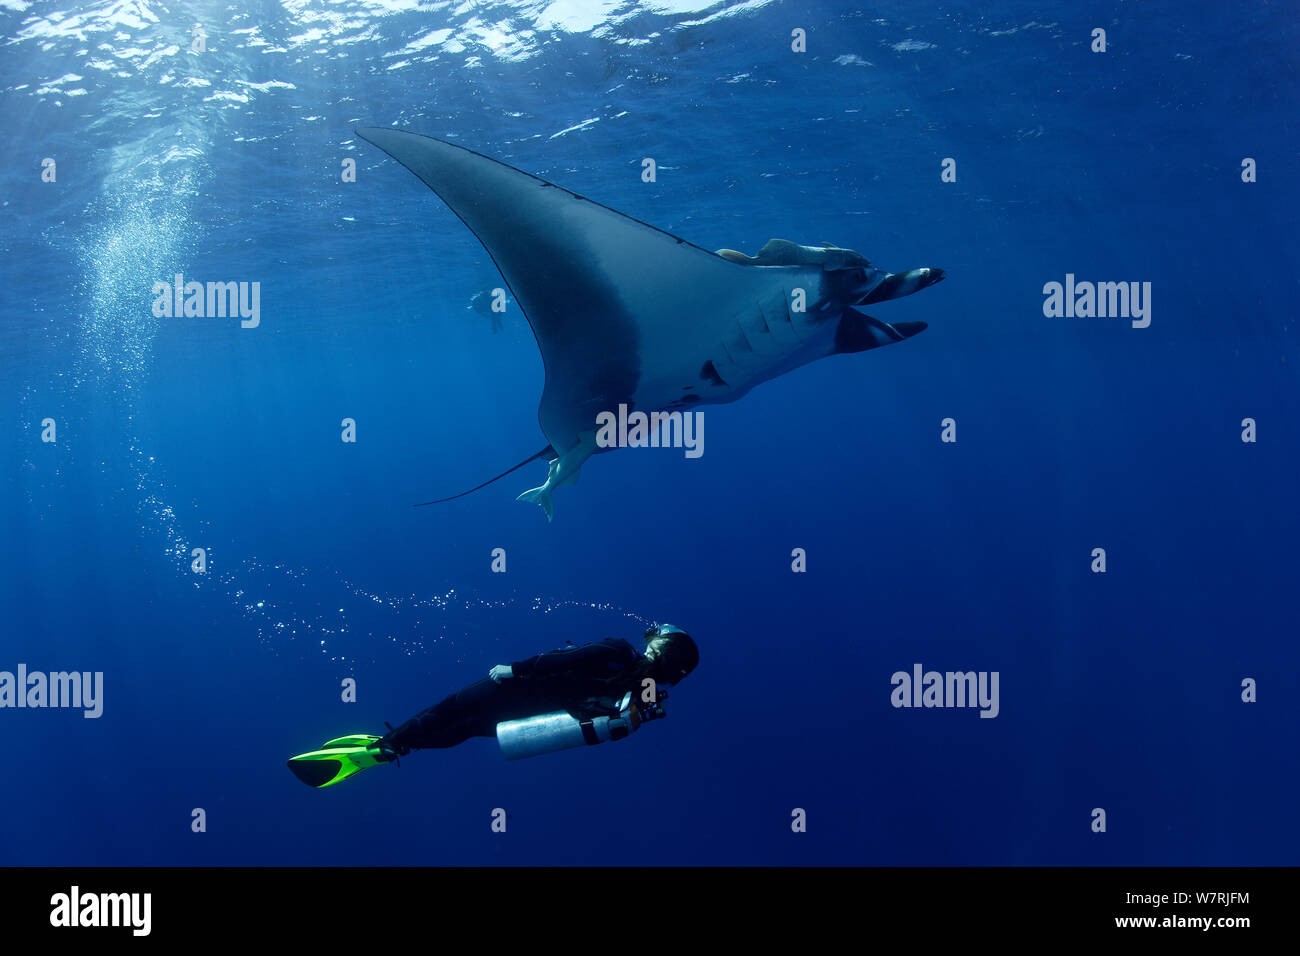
x,y
554,701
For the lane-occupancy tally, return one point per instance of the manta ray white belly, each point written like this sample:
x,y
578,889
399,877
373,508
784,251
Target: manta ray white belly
x,y
777,324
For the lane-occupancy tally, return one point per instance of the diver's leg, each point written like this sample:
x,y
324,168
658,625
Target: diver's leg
x,y
471,712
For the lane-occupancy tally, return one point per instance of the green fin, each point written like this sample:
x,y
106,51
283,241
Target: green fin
x,y
336,760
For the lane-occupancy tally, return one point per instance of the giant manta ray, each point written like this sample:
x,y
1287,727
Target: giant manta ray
x,y
627,314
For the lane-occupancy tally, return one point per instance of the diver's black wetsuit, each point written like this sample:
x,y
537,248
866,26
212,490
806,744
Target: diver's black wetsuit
x,y
557,680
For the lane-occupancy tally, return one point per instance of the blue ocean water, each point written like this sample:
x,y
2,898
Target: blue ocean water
x,y
222,160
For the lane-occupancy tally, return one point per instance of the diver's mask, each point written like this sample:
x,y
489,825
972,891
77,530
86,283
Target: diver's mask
x,y
653,635
661,630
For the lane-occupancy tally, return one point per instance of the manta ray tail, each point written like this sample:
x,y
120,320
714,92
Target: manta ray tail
x,y
548,453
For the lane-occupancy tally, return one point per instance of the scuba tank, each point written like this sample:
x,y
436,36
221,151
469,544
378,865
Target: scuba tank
x,y
560,730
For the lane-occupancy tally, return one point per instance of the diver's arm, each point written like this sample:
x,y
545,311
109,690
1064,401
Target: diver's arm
x,y
591,659
501,672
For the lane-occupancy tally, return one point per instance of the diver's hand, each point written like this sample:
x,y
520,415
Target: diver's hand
x,y
501,671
